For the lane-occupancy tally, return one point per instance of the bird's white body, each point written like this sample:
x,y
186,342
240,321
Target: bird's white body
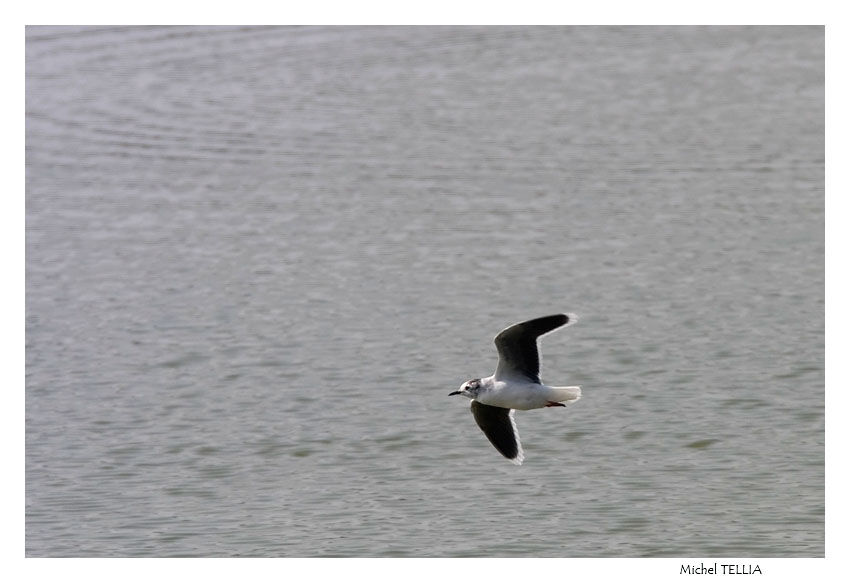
x,y
522,394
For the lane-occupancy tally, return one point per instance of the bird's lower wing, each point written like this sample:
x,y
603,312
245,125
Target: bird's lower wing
x,y
498,425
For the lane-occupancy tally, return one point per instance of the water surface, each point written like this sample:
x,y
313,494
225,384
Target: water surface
x,y
258,259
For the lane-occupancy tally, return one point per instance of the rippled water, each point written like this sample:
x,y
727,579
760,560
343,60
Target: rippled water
x,y
258,259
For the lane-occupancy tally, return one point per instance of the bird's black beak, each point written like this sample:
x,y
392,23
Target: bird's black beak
x,y
454,393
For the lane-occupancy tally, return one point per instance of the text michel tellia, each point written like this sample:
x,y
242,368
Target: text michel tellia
x,y
720,569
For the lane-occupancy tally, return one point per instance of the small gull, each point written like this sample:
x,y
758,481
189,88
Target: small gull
x,y
516,384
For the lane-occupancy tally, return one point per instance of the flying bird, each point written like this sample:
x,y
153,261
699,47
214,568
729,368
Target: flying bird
x,y
516,384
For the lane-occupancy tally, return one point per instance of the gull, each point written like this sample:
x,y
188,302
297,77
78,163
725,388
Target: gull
x,y
515,384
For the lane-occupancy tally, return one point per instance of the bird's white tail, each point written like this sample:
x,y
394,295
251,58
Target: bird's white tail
x,y
561,394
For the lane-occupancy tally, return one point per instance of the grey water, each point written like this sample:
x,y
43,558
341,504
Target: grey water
x,y
258,259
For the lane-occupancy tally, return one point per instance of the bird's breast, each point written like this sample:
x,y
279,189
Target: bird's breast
x,y
513,395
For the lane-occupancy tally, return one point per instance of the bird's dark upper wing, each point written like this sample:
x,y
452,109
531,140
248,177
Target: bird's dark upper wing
x,y
517,346
498,425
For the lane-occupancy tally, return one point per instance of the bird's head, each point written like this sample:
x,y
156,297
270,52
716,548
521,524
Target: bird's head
x,y
468,389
